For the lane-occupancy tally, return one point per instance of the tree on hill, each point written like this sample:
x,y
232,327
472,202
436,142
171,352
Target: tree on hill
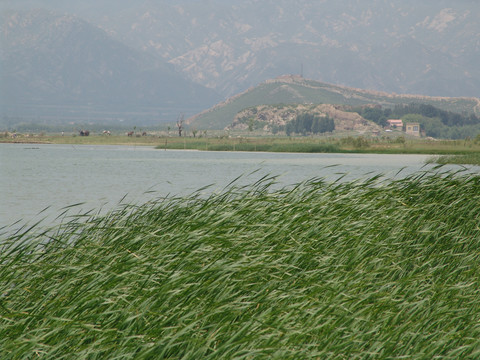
x,y
375,114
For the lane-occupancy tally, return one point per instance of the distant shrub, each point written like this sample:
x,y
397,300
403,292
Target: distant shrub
x,y
356,142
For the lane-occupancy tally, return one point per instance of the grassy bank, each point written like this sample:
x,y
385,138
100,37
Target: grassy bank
x,y
469,149
345,270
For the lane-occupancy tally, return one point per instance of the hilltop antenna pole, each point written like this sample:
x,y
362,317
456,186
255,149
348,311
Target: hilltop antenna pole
x,y
301,70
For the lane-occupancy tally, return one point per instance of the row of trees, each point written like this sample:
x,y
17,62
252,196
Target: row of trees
x,y
308,123
448,118
435,128
436,122
379,115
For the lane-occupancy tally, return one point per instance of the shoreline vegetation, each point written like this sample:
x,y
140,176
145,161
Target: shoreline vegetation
x,y
387,268
465,152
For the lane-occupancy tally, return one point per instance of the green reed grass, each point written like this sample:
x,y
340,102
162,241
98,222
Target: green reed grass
x,y
370,269
463,159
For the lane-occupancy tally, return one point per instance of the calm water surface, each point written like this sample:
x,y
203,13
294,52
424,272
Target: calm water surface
x,y
35,177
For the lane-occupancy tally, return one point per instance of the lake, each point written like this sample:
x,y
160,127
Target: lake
x,y
35,177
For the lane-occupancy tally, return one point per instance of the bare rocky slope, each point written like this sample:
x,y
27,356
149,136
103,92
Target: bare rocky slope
x,y
267,117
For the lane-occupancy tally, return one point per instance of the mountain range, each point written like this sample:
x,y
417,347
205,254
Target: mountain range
x,y
217,49
62,67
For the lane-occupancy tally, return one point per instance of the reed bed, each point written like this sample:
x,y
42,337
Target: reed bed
x,y
464,159
371,269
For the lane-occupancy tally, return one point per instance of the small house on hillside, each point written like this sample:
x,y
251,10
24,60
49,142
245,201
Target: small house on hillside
x,y
395,124
412,129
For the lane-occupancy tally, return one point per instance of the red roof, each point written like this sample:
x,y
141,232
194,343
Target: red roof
x,y
395,122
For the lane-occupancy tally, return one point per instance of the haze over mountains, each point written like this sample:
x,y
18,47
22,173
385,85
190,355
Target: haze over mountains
x,y
61,67
161,57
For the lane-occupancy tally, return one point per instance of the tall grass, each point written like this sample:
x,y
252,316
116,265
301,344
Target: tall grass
x,y
464,159
371,269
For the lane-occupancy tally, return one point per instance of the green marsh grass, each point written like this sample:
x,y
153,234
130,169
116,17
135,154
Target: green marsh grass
x,y
464,159
371,269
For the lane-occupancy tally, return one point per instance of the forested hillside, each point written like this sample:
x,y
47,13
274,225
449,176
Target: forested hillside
x,y
435,122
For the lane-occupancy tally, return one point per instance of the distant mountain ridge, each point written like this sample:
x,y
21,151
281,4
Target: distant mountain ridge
x,y
402,46
61,66
394,46
293,89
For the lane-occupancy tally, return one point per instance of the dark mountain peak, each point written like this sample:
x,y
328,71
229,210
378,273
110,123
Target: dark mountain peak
x,y
61,60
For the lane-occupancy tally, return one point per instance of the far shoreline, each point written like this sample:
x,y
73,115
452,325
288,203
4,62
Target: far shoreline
x,y
465,152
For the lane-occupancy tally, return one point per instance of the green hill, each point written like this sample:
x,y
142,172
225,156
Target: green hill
x,y
295,90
